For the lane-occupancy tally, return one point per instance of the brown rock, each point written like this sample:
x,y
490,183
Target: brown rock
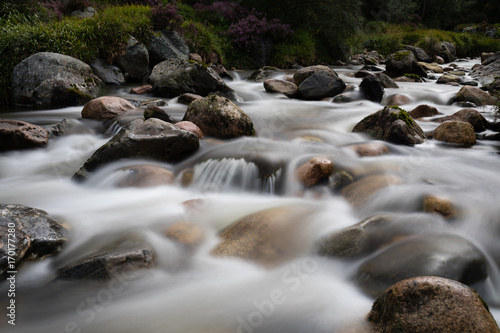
x,y
430,304
186,233
187,98
456,132
439,60
370,149
146,89
449,78
145,176
474,95
190,127
423,110
398,99
432,67
359,192
153,111
439,205
486,55
286,88
471,116
314,171
106,107
270,237
15,134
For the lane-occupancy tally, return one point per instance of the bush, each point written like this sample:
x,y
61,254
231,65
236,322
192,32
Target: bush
x,y
300,49
202,39
166,16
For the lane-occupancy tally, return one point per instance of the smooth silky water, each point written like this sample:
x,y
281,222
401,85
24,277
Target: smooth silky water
x,y
192,291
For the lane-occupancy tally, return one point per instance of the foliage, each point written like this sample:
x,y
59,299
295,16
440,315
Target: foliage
x,y
202,39
300,49
166,16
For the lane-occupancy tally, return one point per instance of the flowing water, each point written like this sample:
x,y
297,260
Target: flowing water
x,y
192,291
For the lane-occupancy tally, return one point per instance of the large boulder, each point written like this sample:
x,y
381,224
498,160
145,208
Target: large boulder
x,y
403,62
372,88
448,52
269,238
167,44
455,132
218,116
488,70
151,139
386,80
53,80
474,95
106,107
172,78
109,74
443,255
303,73
135,61
37,235
391,124
321,85
419,53
16,134
264,73
430,304
471,116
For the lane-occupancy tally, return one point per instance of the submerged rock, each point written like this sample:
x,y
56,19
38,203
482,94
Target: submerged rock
x,y
269,238
370,149
439,205
393,125
37,235
144,176
430,304
151,139
359,192
218,116
53,80
106,107
16,135
456,132
445,255
314,171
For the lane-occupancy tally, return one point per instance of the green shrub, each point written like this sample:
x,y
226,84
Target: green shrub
x,y
202,39
300,49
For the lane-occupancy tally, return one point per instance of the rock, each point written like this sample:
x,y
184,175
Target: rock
x,y
145,89
222,71
387,82
419,53
448,52
269,238
439,205
392,125
361,74
167,44
430,304
264,73
314,171
88,12
37,235
69,127
188,98
456,132
217,116
109,74
144,176
369,149
398,99
488,71
172,78
372,88
403,62
432,67
486,55
372,68
305,72
53,80
195,57
286,88
106,107
190,127
359,192
471,116
16,135
493,88
151,139
424,110
135,61
438,60
444,255
153,111
321,85
448,78
409,78
187,234
456,73
474,95
124,255
344,98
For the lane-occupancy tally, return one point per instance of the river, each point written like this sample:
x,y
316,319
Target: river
x,y
192,291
